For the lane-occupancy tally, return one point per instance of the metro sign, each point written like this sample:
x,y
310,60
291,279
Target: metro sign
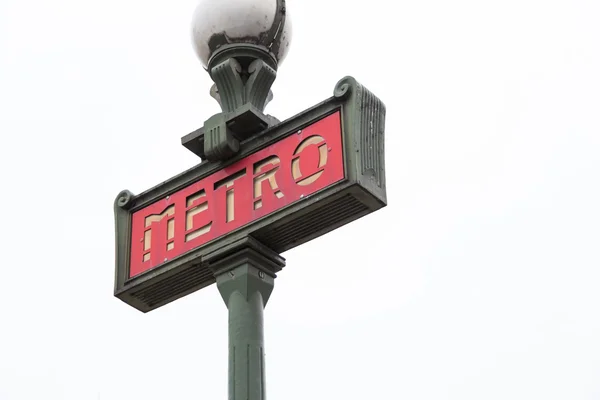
x,y
266,181
298,180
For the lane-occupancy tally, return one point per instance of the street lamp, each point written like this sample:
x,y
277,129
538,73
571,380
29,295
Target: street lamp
x,y
263,187
240,43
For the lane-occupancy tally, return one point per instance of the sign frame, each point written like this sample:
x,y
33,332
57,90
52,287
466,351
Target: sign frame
x,y
362,191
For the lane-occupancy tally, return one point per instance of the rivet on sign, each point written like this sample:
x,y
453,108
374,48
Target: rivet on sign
x,y
301,196
261,274
329,149
299,132
168,197
165,258
231,274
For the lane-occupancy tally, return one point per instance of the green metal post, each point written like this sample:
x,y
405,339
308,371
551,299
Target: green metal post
x,y
245,281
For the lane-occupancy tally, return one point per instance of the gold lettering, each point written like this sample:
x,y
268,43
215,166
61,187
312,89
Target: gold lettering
x,y
150,219
269,176
229,194
296,173
193,211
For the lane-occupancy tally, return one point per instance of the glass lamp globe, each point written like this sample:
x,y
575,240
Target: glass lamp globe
x,y
262,23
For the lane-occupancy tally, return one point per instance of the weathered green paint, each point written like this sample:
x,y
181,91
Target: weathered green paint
x,y
362,192
245,276
243,79
238,84
246,342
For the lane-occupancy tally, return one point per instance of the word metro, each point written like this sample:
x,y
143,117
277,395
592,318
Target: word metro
x,y
268,180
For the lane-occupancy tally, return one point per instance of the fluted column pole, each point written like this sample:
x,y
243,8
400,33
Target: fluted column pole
x,y
245,279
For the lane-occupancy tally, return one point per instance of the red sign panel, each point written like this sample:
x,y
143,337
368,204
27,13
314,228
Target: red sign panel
x,y
266,181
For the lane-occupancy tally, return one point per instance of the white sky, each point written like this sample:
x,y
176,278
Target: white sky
x,y
478,281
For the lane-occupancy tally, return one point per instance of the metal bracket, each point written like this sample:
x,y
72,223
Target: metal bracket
x,y
195,140
243,89
219,142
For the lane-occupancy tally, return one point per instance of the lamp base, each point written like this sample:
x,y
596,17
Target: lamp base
x,y
243,75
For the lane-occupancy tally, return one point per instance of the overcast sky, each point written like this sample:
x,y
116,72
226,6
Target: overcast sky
x,y
478,281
